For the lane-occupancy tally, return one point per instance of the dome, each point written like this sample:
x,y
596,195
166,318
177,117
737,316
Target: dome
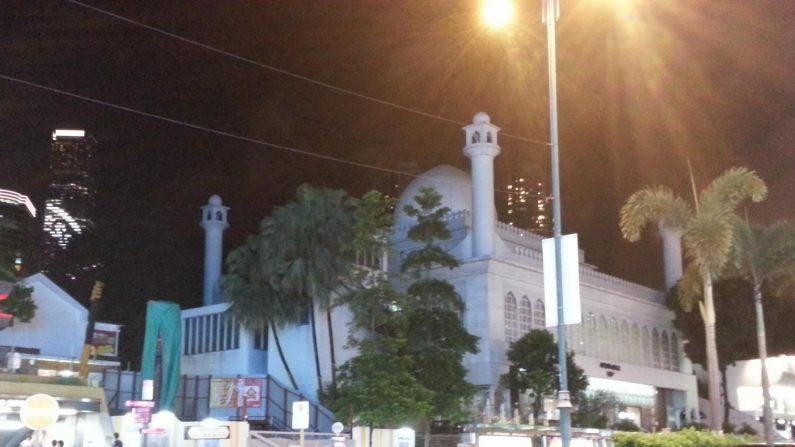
x,y
215,200
453,184
481,118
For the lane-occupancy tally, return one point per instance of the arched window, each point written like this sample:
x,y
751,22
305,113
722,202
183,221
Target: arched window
x,y
476,137
219,216
635,355
511,322
590,335
525,315
613,348
539,321
646,347
624,350
674,352
488,137
574,334
665,351
655,348
603,336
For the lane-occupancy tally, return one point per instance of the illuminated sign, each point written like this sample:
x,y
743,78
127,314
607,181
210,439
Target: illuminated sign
x,y
73,133
200,432
16,198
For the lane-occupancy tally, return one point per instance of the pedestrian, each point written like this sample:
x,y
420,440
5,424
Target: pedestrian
x,y
116,441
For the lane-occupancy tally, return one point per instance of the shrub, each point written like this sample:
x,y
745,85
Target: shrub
x,y
684,438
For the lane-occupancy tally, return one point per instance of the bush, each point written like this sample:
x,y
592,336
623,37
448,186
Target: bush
x,y
683,438
625,425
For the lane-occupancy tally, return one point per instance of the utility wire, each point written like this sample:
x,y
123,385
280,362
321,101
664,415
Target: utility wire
x,y
289,73
215,131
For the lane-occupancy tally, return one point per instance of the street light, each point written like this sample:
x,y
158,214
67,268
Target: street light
x,y
499,13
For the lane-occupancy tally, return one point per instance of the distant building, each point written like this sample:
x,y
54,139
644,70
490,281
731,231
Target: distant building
x,y
17,231
522,202
69,207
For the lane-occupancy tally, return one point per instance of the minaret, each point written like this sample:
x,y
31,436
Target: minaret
x,y
481,148
214,223
672,255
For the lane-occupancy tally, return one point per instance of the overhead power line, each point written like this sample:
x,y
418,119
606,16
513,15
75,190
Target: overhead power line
x,y
290,73
223,133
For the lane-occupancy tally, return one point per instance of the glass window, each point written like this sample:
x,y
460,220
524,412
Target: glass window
x,y
614,340
646,346
624,350
674,352
655,348
635,356
511,323
665,349
539,315
590,335
603,336
525,315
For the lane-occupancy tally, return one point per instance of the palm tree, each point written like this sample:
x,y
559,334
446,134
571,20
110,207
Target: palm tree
x,y
708,231
305,244
765,256
255,302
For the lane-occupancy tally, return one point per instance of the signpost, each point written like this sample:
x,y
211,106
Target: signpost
x,y
300,418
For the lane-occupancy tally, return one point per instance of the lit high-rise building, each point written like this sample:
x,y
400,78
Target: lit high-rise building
x,y
69,208
17,223
525,203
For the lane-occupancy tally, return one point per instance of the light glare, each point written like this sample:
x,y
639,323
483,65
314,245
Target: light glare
x,y
497,13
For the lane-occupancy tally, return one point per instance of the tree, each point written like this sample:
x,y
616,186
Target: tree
x,y
708,229
255,302
19,301
765,256
418,332
592,409
534,366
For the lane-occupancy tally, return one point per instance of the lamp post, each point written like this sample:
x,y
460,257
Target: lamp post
x,y
497,13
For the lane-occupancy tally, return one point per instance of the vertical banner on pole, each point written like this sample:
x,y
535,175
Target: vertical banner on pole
x,y
571,280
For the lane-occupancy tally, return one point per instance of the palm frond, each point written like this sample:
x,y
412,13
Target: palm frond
x,y
708,240
652,204
690,288
731,188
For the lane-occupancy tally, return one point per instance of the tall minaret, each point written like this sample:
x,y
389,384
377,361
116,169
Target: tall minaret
x,y
672,255
214,223
481,148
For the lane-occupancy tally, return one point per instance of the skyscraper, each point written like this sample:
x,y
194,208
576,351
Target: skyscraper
x,y
17,222
524,202
69,208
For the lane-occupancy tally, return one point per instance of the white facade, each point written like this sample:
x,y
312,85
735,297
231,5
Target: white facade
x,y
626,343
744,380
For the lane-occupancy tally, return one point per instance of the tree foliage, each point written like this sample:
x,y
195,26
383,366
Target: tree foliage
x,y
413,340
708,232
592,409
534,367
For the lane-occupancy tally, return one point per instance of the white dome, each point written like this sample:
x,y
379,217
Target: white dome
x,y
481,118
215,200
453,184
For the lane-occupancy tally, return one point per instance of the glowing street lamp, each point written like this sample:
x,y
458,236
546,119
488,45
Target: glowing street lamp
x,y
496,13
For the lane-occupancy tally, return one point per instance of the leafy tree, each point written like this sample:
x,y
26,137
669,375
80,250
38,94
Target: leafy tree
x,y
255,302
708,230
418,332
19,301
534,366
765,256
592,409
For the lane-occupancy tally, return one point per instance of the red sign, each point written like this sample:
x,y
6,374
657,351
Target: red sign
x,y
153,431
139,403
142,415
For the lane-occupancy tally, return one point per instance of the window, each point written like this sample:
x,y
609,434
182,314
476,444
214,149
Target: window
x,y
476,137
665,349
511,324
539,316
603,338
674,352
525,315
655,348
590,335
614,343
624,350
635,355
646,347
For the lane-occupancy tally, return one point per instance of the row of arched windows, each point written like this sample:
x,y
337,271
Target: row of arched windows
x,y
597,336
612,340
522,316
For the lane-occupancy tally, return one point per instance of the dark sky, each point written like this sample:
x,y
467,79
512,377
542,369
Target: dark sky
x,y
643,86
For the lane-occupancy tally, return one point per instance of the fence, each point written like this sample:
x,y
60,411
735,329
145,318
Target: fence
x,y
194,395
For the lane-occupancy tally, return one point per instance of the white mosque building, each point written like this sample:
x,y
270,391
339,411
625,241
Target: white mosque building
x,y
626,343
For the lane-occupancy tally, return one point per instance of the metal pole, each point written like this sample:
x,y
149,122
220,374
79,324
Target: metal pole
x,y
550,16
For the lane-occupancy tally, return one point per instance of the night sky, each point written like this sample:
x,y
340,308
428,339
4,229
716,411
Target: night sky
x,y
643,86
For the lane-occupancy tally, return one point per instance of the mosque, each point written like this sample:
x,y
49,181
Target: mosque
x,y
626,342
